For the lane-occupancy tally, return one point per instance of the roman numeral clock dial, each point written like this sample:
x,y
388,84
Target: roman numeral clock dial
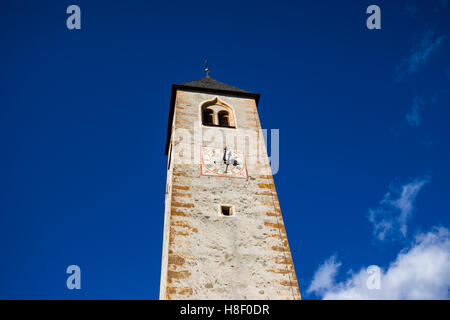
x,y
223,162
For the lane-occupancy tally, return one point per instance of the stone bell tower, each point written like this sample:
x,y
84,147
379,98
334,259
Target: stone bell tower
x,y
224,236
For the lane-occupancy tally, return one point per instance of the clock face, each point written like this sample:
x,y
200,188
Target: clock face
x,y
223,162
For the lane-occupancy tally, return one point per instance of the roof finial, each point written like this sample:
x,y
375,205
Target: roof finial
x,y
206,68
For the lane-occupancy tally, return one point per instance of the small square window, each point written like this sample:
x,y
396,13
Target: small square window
x,y
226,210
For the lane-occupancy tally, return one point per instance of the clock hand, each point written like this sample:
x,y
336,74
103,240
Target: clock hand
x,y
224,155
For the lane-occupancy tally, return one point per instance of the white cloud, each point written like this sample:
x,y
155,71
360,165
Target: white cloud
x,y
421,271
324,276
390,218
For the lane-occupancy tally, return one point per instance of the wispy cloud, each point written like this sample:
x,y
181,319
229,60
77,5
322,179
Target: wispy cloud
x,y
419,55
420,271
414,116
390,218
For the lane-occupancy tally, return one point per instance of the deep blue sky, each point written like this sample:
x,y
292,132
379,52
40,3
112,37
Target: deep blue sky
x,y
83,118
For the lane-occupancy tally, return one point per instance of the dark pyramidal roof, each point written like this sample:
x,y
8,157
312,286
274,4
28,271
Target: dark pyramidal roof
x,y
209,83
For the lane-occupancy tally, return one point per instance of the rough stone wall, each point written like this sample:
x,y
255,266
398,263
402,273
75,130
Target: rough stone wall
x,y
209,256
